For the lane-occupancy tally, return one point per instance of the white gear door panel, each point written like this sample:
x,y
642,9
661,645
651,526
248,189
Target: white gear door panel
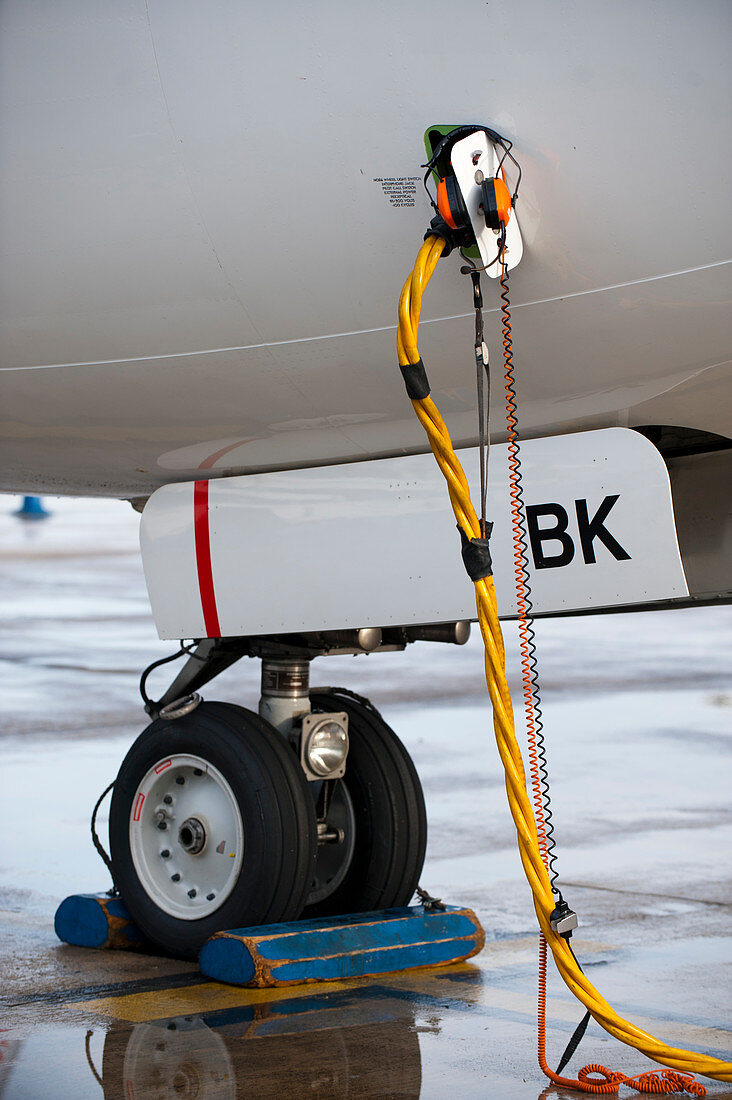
x,y
374,543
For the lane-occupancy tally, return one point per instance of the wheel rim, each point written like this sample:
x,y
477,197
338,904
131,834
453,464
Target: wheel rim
x,y
186,837
334,860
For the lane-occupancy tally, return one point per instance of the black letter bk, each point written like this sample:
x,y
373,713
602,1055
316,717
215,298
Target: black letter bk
x,y
591,529
557,533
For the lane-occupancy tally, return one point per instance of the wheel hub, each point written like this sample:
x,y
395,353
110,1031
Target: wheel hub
x,y
186,837
192,836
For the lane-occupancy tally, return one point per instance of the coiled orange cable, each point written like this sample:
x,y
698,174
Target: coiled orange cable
x,y
503,721
523,598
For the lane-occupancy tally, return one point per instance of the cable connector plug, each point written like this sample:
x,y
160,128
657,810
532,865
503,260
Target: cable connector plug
x,y
563,919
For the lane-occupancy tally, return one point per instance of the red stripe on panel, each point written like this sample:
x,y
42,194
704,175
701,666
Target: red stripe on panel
x,y
203,559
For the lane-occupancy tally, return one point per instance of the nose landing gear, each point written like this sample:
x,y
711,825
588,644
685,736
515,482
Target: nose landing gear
x,y
221,818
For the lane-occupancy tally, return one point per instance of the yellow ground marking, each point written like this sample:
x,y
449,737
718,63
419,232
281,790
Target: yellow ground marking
x,y
212,996
191,1000
195,1000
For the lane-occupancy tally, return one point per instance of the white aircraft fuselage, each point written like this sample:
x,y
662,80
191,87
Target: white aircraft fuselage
x,y
210,209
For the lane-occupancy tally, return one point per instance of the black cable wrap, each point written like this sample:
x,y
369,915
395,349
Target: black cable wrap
x,y
415,379
477,554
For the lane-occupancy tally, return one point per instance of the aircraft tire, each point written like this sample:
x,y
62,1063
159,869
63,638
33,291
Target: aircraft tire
x,y
220,773
388,807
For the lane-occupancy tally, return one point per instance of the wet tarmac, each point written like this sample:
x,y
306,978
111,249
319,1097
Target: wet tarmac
x,y
638,712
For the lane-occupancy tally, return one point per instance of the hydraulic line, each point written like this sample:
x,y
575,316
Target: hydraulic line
x,y
679,1060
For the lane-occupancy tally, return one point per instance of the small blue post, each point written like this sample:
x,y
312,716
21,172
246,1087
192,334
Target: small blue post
x,y
32,508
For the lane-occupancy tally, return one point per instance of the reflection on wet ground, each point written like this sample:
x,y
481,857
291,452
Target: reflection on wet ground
x,y
638,716
466,1031
361,1044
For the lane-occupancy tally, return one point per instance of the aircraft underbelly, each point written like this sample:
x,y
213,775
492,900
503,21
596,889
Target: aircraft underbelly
x,y
209,212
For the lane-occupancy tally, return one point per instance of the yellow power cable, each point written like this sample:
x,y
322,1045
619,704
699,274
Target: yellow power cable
x,y
410,303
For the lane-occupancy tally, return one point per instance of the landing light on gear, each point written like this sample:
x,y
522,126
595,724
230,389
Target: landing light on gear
x,y
324,746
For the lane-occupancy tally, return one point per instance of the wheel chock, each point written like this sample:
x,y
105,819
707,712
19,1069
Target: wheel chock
x,y
97,920
334,948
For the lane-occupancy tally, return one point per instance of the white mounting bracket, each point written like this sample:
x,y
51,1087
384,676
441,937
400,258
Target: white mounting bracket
x,y
474,158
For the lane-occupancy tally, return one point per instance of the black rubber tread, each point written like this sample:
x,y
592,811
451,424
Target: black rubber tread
x,y
391,823
301,846
277,814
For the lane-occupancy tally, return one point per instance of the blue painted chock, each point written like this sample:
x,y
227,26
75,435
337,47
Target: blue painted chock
x,y
342,947
97,920
32,508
